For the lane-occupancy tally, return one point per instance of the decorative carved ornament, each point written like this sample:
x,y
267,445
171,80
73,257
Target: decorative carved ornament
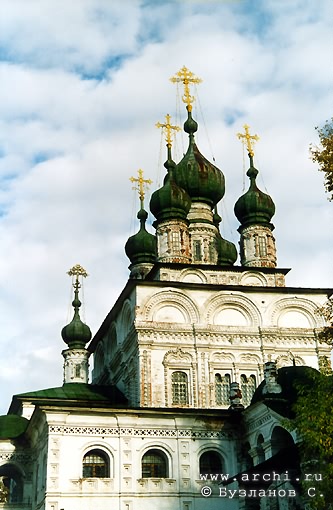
x,y
177,357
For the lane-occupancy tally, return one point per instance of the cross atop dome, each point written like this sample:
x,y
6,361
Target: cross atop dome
x,y
77,271
142,185
187,78
167,128
248,139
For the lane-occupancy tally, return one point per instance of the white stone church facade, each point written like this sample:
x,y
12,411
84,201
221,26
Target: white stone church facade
x,y
176,364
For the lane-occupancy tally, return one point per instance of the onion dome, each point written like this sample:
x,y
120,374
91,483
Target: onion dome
x,y
141,247
170,201
203,181
76,334
254,207
227,252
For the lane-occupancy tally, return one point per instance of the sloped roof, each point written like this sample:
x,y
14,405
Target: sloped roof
x,y
73,394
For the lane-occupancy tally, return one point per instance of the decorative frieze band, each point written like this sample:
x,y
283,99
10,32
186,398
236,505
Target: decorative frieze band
x,y
115,431
22,458
260,421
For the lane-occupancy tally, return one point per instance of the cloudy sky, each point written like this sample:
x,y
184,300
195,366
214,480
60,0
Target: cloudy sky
x,y
82,84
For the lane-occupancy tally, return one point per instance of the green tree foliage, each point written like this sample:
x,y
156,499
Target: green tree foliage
x,y
323,154
326,311
4,492
314,424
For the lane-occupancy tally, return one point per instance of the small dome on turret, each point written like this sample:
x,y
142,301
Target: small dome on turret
x,y
254,207
76,334
202,180
170,201
141,247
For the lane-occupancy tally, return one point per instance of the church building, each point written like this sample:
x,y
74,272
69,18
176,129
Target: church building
x,y
193,367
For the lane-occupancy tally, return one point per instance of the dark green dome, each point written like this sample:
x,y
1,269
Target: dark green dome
x,y
203,181
170,201
254,207
12,426
227,252
76,334
290,379
141,247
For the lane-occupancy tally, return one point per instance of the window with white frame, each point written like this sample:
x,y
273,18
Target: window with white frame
x,y
96,464
179,388
154,464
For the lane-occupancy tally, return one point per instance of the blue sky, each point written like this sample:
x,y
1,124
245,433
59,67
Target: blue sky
x,y
83,84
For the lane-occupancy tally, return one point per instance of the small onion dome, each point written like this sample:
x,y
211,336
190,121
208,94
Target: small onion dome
x,y
254,207
203,181
170,201
76,334
141,247
227,252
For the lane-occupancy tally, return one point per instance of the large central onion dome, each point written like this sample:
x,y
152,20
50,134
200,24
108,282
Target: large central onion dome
x,y
254,207
203,181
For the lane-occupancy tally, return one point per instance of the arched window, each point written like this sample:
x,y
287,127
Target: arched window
x,y
210,462
197,251
262,246
154,464
11,484
222,389
260,450
281,439
96,464
179,388
248,387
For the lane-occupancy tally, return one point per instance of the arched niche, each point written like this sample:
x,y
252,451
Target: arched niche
x,y
296,312
281,439
170,313
193,276
253,279
126,319
232,310
171,306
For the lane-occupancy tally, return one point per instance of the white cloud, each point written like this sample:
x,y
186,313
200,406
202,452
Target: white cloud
x,y
81,34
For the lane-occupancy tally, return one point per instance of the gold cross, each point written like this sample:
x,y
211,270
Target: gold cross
x,y
167,127
77,270
187,77
248,139
142,183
